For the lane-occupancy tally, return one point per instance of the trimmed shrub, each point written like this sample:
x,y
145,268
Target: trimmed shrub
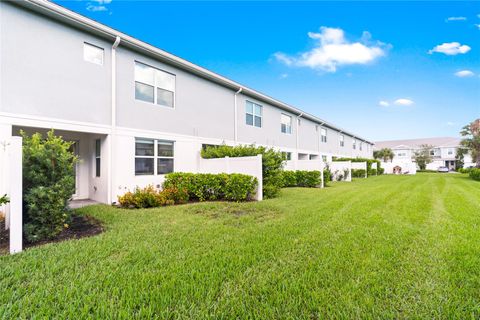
x,y
301,178
373,172
48,184
272,163
381,171
359,173
308,179
208,187
289,179
475,174
464,170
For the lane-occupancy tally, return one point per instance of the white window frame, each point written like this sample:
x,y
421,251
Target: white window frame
x,y
323,137
342,140
354,144
324,158
287,155
155,156
288,127
98,158
253,114
92,46
155,87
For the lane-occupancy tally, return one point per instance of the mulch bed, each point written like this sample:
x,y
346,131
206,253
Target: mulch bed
x,y
80,227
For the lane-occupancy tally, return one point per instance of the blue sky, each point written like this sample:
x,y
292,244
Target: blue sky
x,y
384,70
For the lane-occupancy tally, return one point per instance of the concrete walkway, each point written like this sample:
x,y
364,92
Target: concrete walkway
x,y
75,204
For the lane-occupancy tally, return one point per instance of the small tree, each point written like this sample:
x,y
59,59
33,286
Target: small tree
x,y
48,184
423,156
471,140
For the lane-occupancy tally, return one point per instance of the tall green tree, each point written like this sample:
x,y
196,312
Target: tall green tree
x,y
423,156
385,154
471,140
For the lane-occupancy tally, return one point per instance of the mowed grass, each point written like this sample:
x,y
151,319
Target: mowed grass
x,y
385,247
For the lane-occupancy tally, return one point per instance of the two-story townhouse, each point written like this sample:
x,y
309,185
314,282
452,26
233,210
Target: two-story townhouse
x,y
136,112
443,151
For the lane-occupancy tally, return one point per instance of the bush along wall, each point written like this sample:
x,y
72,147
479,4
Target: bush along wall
x,y
475,174
48,184
181,187
272,163
300,178
359,173
370,171
327,177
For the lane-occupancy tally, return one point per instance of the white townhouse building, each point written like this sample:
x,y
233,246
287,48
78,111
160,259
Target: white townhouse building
x,y
443,151
136,112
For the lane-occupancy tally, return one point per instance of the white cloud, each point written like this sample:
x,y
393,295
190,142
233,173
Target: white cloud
x,y
332,50
383,103
464,73
403,102
478,26
283,76
456,19
450,48
98,5
451,124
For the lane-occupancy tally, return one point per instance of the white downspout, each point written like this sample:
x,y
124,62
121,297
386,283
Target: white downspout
x,y
296,137
113,133
235,124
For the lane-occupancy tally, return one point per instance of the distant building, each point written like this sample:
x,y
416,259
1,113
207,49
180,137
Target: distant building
x,y
443,151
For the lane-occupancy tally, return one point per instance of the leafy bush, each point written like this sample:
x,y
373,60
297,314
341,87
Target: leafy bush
x,y
359,173
149,197
289,179
272,163
464,170
301,178
205,186
373,172
48,184
381,171
475,174
309,179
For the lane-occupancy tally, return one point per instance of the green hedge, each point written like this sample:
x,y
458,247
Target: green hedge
x,y
464,170
370,171
301,178
359,173
207,187
426,171
475,174
272,163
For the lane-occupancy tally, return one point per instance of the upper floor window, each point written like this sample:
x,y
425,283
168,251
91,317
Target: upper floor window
x,y
153,156
361,146
354,144
253,114
92,53
154,86
450,152
323,134
285,123
342,140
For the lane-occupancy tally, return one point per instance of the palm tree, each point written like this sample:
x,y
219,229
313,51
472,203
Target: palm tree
x,y
471,140
385,154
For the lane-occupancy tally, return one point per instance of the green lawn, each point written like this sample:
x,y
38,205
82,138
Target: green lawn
x,y
386,247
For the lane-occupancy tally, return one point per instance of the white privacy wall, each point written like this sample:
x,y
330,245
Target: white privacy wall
x,y
408,167
338,168
246,165
11,185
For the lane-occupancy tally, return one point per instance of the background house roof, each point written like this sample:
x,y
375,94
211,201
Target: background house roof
x,y
416,143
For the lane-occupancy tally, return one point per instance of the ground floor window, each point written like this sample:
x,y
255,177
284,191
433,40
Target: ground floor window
x,y
97,157
153,156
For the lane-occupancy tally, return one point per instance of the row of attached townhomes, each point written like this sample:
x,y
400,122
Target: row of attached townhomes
x,y
443,152
135,112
